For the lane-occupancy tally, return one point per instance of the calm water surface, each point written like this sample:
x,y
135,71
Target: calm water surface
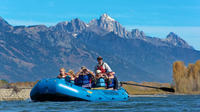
x,y
158,103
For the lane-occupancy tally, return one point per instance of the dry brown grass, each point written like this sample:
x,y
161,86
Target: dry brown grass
x,y
23,84
3,83
186,79
138,90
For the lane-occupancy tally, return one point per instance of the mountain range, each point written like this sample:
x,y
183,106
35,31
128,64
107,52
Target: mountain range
x,y
29,53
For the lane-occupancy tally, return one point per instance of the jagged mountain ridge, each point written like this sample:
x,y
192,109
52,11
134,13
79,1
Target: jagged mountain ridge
x,y
39,51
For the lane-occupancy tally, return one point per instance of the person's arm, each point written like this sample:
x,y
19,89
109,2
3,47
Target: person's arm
x,y
91,73
78,73
105,75
95,69
59,76
108,69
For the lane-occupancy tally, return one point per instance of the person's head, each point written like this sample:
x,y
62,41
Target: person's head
x,y
100,59
84,69
71,72
98,72
62,71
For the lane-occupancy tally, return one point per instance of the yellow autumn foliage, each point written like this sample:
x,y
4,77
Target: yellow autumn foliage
x,y
186,79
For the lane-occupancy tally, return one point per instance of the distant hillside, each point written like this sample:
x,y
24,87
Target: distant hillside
x,y
29,53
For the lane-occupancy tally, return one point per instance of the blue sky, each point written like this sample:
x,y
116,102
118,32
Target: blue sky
x,y
154,17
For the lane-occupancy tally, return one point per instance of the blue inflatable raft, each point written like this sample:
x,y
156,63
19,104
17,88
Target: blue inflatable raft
x,y
60,90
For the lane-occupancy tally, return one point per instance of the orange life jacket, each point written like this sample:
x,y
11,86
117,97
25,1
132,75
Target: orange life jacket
x,y
66,74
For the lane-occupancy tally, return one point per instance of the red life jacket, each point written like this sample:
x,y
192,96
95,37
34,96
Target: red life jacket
x,y
101,68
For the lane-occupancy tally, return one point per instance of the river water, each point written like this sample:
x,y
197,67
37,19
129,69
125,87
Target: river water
x,y
155,103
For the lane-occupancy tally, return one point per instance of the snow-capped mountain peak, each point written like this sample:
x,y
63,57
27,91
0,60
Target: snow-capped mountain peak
x,y
106,17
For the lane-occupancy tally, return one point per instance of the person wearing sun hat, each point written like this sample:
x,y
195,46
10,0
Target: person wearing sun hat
x,y
106,71
100,79
103,66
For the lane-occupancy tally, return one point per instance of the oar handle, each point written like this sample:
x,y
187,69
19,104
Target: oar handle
x,y
161,88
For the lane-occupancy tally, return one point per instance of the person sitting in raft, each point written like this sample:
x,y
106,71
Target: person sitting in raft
x,y
84,77
62,74
71,76
100,79
68,76
111,81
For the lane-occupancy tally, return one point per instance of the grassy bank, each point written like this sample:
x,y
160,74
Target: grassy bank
x,y
140,90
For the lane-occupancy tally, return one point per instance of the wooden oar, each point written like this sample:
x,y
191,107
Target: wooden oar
x,y
161,88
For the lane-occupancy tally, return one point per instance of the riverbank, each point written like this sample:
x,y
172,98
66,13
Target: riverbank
x,y
24,94
147,88
13,94
19,92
